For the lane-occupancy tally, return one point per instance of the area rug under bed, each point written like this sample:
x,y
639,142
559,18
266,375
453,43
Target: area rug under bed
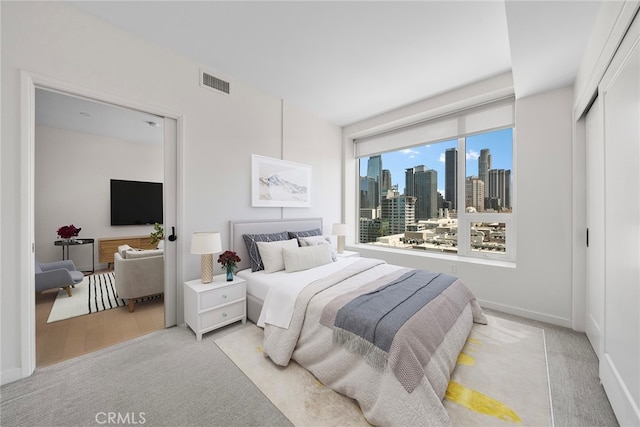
x,y
501,379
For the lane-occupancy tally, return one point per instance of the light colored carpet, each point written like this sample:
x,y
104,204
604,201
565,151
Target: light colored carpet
x,y
501,379
167,377
95,293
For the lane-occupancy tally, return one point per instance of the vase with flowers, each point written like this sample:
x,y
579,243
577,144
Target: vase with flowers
x,y
67,232
229,259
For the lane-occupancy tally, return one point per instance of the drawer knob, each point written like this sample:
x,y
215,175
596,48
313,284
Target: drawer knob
x,y
224,296
224,314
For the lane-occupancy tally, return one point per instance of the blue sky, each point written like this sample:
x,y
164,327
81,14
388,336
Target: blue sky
x,y
432,156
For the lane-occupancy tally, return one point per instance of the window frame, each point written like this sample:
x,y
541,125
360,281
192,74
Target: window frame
x,y
464,219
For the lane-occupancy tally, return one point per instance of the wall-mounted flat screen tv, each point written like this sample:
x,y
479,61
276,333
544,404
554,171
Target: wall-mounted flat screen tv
x,y
135,202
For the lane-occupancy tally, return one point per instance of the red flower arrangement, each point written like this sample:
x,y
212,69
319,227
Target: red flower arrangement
x,y
229,259
68,231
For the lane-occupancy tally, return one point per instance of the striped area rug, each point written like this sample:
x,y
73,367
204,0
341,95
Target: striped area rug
x,y
95,293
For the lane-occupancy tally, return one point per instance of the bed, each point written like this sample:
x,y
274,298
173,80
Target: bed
x,y
399,368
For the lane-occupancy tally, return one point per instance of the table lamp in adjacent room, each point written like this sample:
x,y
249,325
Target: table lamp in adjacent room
x,y
206,244
340,230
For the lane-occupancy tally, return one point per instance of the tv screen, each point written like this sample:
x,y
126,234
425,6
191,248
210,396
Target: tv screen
x,y
135,202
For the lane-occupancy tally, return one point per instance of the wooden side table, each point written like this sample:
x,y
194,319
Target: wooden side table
x,y
209,306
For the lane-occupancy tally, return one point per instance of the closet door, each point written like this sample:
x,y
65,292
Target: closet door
x,y
595,223
620,364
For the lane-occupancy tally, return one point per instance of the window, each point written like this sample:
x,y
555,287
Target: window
x,y
428,197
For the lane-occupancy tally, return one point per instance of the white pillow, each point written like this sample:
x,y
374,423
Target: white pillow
x,y
306,257
271,253
319,240
122,250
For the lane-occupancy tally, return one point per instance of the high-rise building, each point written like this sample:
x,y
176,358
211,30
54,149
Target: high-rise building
x,y
474,193
426,192
374,171
451,177
398,212
368,191
484,164
386,181
409,184
369,229
497,188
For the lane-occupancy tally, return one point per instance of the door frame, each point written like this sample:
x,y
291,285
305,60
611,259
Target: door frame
x,y
28,83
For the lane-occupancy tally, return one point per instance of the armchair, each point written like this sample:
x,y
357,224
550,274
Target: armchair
x,y
138,274
57,274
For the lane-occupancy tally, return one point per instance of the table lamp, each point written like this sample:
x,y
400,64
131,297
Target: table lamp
x,y
206,244
340,230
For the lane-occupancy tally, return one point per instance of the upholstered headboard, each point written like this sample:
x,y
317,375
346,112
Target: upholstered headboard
x,y
238,228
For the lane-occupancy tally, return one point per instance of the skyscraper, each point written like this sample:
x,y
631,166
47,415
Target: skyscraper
x,y
484,164
426,192
368,191
451,176
374,171
497,188
409,184
474,193
386,181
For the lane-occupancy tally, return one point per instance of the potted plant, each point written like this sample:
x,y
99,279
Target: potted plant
x,y
157,236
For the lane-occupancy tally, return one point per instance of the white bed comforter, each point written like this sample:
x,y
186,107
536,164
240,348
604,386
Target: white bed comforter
x,y
382,398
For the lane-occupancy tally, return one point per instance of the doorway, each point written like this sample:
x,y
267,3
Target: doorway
x,y
169,165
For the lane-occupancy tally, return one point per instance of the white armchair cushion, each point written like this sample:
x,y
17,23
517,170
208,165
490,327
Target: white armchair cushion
x,y
133,254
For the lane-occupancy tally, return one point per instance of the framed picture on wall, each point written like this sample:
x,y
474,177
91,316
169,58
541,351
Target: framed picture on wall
x,y
279,183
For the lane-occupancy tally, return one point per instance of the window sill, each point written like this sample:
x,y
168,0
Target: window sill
x,y
432,255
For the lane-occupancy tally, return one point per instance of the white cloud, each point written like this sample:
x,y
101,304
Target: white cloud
x,y
472,155
442,158
412,153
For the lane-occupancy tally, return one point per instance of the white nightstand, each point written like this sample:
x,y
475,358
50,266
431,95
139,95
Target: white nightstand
x,y
209,306
347,254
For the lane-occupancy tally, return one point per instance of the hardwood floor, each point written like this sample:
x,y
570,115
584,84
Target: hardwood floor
x,y
65,339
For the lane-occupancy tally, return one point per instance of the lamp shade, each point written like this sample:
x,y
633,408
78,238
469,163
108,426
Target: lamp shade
x,y
206,243
339,229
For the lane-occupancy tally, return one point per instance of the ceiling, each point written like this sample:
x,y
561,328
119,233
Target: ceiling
x,y
349,60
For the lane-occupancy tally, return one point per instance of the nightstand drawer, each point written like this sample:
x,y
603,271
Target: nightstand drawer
x,y
222,295
223,314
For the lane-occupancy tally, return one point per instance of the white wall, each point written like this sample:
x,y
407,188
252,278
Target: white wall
x,y
538,285
220,133
72,175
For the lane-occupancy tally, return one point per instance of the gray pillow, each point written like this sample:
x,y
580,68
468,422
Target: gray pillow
x,y
307,233
254,254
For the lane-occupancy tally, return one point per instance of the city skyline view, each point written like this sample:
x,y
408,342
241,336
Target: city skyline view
x,y
433,157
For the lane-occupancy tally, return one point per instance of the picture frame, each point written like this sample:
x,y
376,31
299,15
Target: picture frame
x,y
279,183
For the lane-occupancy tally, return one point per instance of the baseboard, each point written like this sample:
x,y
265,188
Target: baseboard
x,y
625,409
528,314
10,376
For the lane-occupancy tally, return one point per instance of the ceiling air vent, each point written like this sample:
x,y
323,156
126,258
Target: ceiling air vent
x,y
212,82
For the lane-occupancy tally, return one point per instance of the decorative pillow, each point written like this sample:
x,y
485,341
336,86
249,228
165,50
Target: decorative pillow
x,y
306,257
319,240
271,254
254,255
299,234
122,250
